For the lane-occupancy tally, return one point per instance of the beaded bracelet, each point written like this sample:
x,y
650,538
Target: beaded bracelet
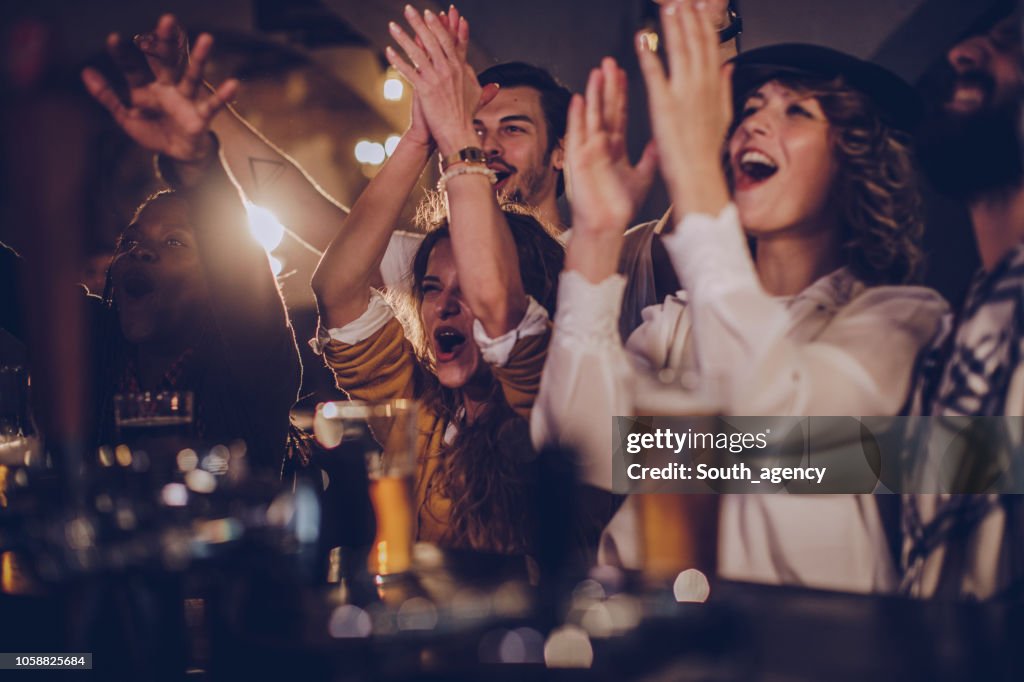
x,y
465,169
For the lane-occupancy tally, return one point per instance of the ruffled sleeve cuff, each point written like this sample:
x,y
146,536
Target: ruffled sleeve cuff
x,y
496,351
376,315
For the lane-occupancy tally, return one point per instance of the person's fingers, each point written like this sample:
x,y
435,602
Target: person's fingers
x,y
610,94
202,49
441,35
102,92
648,163
709,37
595,87
675,50
166,48
432,47
453,20
417,55
129,60
403,67
689,27
209,107
725,73
487,93
650,68
193,76
575,124
459,28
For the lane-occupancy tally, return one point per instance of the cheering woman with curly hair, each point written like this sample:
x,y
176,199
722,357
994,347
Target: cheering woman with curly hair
x,y
794,263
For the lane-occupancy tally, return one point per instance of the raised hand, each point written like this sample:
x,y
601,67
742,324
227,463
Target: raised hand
x,y
690,108
602,202
637,178
166,115
446,86
165,49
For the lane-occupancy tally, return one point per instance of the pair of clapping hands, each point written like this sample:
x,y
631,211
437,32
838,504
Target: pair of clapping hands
x,y
170,110
690,107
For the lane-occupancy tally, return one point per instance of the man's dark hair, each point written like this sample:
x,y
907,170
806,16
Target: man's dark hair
x,y
554,97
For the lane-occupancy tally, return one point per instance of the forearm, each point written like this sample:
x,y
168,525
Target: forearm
x,y
594,254
485,254
697,187
351,262
271,179
588,377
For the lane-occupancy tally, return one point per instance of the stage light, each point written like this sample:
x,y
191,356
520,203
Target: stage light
x,y
371,153
276,266
391,143
394,88
264,227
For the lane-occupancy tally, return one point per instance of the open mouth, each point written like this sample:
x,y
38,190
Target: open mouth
x,y
448,343
137,284
967,98
754,167
503,172
970,91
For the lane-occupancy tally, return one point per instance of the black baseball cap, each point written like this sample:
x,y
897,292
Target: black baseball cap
x,y
898,104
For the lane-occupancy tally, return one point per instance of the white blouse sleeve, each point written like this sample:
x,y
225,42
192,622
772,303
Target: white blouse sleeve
x,y
587,377
496,351
378,312
860,364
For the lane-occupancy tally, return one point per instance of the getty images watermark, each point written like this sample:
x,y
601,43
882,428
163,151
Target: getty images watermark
x,y
817,455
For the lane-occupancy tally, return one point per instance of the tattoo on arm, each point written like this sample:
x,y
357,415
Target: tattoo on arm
x,y
265,172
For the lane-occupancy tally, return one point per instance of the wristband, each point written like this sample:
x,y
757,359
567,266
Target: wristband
x,y
465,169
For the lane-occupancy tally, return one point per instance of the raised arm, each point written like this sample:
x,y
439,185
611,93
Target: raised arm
x,y
588,379
350,265
266,175
485,253
172,118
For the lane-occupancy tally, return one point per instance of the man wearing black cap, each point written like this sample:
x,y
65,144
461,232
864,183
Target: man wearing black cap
x,y
970,148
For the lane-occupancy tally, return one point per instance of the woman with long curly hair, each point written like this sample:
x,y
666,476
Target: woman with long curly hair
x,y
483,288
794,264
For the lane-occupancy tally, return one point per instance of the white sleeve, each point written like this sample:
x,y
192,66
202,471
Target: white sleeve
x,y
587,377
860,365
376,315
496,351
396,266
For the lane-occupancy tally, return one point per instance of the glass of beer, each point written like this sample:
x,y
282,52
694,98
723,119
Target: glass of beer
x,y
386,433
680,530
20,444
154,427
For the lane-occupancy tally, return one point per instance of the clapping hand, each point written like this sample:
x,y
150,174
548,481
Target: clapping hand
x,y
446,87
169,111
602,200
611,93
691,106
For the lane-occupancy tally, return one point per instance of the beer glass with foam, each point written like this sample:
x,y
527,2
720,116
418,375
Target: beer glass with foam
x,y
386,432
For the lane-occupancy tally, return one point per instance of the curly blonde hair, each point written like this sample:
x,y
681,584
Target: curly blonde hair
x,y
876,187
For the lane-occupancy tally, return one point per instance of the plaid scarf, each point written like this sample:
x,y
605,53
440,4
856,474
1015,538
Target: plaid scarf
x,y
964,545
